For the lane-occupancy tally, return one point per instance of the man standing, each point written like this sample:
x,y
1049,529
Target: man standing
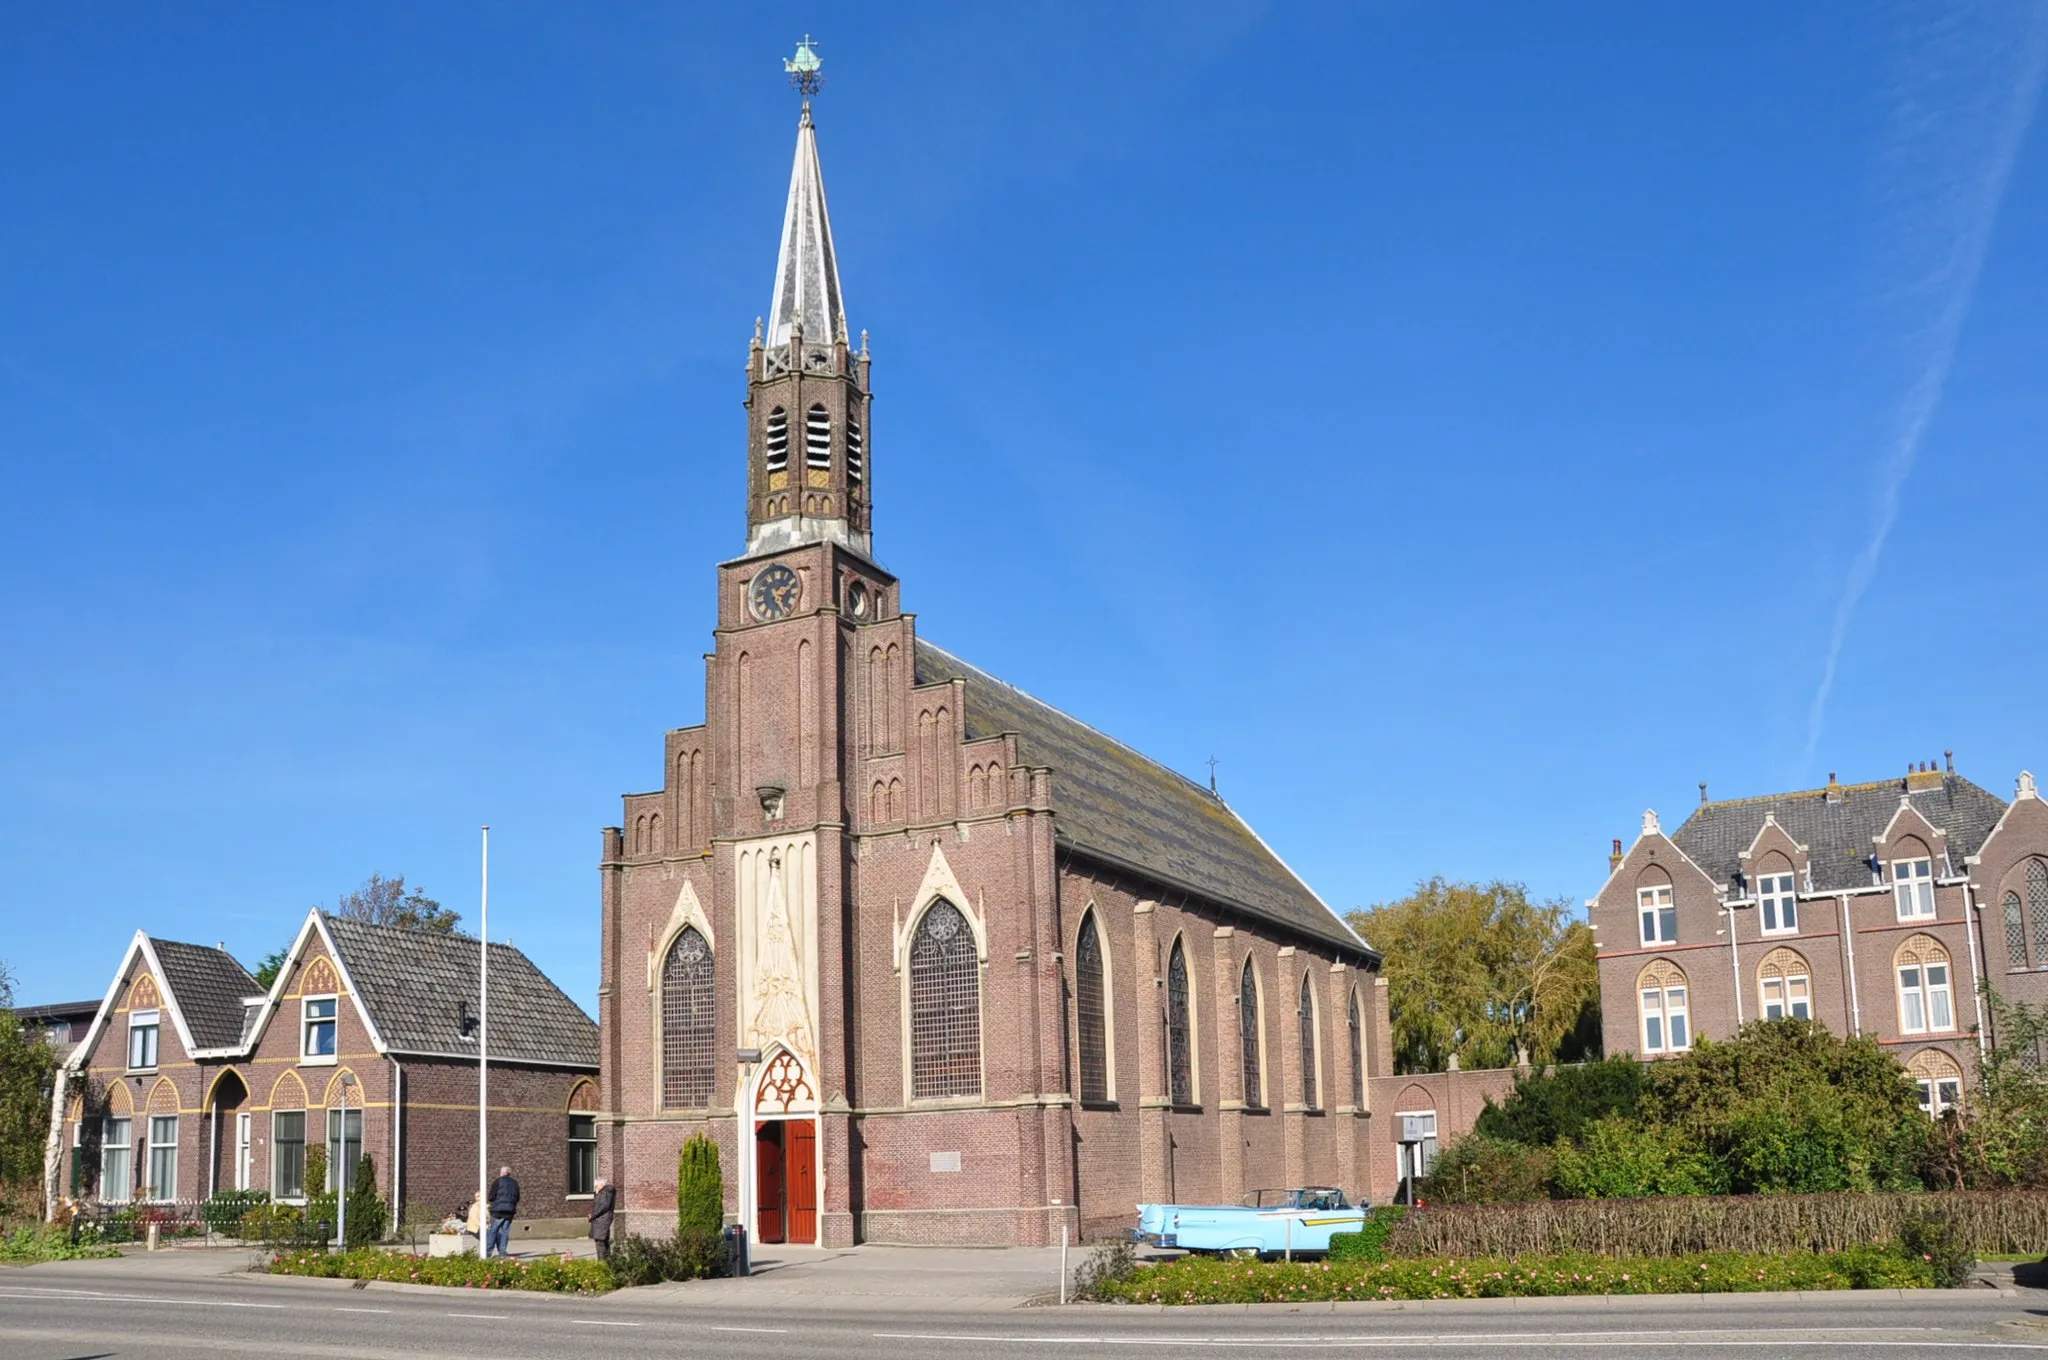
x,y
601,1205
504,1206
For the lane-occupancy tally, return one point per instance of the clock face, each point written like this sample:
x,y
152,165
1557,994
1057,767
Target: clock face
x,y
774,592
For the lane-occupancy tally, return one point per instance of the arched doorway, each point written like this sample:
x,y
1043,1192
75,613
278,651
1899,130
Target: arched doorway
x,y
230,1141
785,1153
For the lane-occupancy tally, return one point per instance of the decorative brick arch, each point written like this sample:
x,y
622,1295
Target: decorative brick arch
x,y
143,994
1939,1077
583,1097
343,1095
784,1086
163,1097
1782,962
318,977
119,1103
288,1093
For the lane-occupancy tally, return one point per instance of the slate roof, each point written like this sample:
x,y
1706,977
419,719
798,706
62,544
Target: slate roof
x,y
413,984
1128,809
1839,836
208,987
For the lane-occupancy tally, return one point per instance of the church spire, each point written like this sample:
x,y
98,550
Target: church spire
x,y
807,387
807,269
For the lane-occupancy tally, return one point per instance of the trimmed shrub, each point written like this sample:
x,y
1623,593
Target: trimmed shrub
x,y
700,1188
1618,1158
1199,1280
1560,1103
1369,1243
549,1274
692,1255
1107,1268
1477,1169
1930,1236
1999,1221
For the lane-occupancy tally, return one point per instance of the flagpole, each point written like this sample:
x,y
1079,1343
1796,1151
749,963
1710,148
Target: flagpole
x,y
483,1054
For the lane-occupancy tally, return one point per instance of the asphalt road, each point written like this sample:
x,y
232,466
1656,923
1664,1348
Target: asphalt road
x,y
56,1314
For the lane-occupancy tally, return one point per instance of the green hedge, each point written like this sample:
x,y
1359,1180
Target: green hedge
x,y
548,1274
1999,1221
1369,1243
1203,1280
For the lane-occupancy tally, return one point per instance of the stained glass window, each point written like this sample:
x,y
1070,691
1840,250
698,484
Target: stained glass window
x,y
1090,1013
1248,1033
1180,1067
945,1006
689,1023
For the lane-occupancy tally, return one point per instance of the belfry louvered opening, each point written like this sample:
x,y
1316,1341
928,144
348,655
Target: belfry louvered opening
x,y
855,451
689,1023
776,454
945,1006
818,438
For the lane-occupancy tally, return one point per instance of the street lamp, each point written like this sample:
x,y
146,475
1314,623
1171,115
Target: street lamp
x,y
348,1080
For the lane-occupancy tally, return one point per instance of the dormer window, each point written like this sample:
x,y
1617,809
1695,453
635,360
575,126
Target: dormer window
x,y
1913,888
854,451
142,1034
1778,902
1659,915
818,438
776,455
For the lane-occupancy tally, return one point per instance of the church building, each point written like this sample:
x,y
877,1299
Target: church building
x,y
933,961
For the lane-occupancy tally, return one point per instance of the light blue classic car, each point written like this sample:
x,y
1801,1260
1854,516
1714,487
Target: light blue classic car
x,y
1267,1223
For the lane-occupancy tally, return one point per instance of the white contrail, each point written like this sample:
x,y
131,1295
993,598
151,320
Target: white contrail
x,y
1950,96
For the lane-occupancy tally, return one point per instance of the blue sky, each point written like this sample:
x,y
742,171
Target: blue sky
x,y
1469,424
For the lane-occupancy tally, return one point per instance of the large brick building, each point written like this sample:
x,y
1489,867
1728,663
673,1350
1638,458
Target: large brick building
x,y
1872,908
192,1078
933,961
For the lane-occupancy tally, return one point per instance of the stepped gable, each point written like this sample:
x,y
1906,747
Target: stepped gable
x,y
1113,804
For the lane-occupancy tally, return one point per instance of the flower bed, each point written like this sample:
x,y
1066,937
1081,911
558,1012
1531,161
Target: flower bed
x,y
1203,1280
547,1274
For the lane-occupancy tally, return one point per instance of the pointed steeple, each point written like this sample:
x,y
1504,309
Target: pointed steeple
x,y
807,269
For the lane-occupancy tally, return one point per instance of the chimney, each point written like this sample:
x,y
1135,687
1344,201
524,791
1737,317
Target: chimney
x,y
1948,760
1833,792
1924,776
1614,856
1703,793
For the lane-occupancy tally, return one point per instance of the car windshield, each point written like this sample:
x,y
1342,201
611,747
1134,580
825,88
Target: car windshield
x,y
1317,1197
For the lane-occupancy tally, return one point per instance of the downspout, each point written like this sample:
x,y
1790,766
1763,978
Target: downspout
x,y
1849,954
1734,962
1973,921
397,1145
213,1154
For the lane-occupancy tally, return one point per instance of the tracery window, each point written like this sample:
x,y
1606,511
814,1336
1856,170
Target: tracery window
x,y
945,1006
1785,985
689,1023
1357,1054
2019,915
1926,989
1248,1035
2015,931
1180,1066
818,438
776,454
1090,1013
1939,1080
1665,1018
1305,1018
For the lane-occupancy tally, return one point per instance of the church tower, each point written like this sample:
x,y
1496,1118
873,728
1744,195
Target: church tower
x,y
807,389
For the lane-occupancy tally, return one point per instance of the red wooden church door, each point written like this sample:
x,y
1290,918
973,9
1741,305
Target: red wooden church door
x,y
768,1195
800,1173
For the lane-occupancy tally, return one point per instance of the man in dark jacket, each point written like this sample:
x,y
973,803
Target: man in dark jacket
x,y
601,1205
504,1206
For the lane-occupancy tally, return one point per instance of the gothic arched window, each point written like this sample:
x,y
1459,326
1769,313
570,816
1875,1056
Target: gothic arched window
x,y
1180,1065
1357,1055
1248,1035
776,448
2015,931
1305,1017
689,1023
818,438
945,1006
1090,1014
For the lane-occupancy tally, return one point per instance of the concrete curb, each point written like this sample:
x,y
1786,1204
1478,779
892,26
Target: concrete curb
x,y
1560,1302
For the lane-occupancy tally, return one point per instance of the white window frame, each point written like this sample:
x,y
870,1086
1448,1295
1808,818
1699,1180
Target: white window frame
x,y
308,1058
575,1145
1787,1003
339,1142
245,1143
142,1023
117,1190
1939,1094
154,1191
1655,1003
1913,890
1777,898
1926,996
1655,912
277,1190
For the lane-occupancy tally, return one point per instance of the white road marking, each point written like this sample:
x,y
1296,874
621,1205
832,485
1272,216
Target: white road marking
x,y
362,1310
776,1331
596,1322
483,1317
125,1298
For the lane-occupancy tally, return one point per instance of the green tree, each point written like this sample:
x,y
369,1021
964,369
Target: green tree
x,y
1559,1102
28,1072
382,901
1480,972
1998,1138
1477,1169
267,971
700,1189
1615,1157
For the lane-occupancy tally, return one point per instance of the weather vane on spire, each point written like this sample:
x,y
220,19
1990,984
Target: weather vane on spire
x,y
804,70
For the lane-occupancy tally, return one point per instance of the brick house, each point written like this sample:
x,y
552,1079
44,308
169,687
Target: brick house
x,y
1872,908
932,960
192,1078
